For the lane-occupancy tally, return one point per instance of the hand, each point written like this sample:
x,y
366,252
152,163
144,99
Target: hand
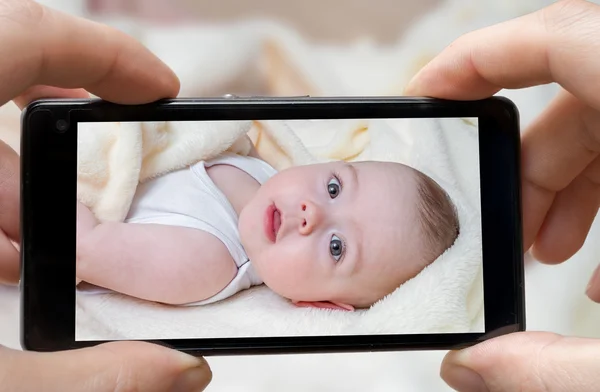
x,y
561,176
48,54
561,149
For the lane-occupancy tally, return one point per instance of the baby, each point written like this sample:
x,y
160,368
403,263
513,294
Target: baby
x,y
334,235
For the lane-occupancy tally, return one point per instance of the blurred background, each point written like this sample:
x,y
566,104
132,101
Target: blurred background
x,y
327,47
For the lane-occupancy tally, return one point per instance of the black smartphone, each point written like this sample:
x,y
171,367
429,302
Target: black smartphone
x,y
254,225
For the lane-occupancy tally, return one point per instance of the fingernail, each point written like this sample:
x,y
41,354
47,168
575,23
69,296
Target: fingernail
x,y
193,380
464,379
189,361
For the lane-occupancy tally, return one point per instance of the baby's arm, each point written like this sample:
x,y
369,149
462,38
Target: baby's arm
x,y
168,264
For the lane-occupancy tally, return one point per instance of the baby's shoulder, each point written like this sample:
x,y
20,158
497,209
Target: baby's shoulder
x,y
231,169
224,172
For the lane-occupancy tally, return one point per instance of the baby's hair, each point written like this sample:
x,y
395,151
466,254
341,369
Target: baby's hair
x,y
437,215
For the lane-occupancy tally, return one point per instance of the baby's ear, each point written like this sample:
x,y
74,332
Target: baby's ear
x,y
324,305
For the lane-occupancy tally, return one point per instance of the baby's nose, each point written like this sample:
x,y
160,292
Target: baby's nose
x,y
310,217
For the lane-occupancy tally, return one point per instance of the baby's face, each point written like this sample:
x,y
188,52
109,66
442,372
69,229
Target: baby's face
x,y
336,232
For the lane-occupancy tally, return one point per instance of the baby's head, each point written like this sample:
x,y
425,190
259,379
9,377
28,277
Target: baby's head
x,y
345,235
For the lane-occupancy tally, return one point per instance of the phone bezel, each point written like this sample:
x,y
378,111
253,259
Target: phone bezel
x,y
48,213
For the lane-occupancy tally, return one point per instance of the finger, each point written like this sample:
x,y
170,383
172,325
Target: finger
x,y
119,366
9,191
556,149
558,43
41,46
40,92
570,218
593,288
9,261
528,361
9,187
9,214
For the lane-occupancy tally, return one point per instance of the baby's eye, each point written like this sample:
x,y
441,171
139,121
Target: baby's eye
x,y
336,247
333,187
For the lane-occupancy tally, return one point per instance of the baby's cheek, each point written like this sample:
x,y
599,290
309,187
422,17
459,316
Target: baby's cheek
x,y
288,277
281,283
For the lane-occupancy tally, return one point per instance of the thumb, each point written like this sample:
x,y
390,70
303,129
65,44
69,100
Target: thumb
x,y
527,361
111,367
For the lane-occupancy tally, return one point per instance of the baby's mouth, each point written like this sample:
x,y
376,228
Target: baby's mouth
x,y
272,222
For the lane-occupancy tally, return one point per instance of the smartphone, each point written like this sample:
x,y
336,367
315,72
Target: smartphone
x,y
249,225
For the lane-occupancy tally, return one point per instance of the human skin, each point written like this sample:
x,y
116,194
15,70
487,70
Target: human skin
x,y
560,171
44,53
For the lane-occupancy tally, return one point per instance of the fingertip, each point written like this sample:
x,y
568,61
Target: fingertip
x,y
457,372
165,82
543,256
552,248
121,365
9,262
463,379
172,83
486,365
156,367
426,83
156,80
456,358
593,287
195,379
508,362
180,360
413,87
110,64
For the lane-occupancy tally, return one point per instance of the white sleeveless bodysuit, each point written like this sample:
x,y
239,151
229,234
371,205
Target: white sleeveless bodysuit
x,y
189,198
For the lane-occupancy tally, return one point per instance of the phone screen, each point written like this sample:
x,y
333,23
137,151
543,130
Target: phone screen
x,y
278,228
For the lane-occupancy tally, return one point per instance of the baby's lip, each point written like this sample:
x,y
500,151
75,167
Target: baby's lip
x,y
272,222
276,222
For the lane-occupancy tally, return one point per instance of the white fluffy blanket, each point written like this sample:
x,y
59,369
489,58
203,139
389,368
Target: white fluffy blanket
x,y
113,158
